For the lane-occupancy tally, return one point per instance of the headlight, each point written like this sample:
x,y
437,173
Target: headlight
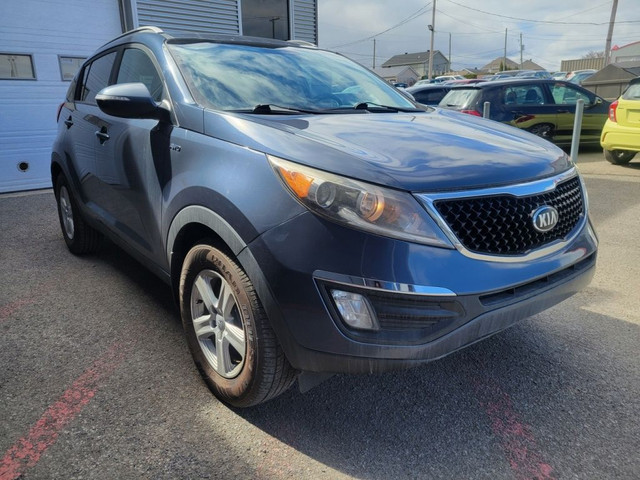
x,y
360,205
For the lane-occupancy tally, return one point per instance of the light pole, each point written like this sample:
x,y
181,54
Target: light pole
x,y
432,27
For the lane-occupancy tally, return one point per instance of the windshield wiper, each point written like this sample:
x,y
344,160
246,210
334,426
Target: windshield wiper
x,y
270,108
375,107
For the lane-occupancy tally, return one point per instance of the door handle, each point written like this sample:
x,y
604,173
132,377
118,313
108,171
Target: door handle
x,y
102,135
563,111
68,122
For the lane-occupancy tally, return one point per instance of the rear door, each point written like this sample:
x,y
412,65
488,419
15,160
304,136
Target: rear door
x,y
82,121
529,107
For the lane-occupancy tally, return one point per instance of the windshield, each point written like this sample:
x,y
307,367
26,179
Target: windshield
x,y
236,77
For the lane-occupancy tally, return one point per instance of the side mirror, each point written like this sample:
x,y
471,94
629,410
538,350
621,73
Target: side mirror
x,y
130,100
596,101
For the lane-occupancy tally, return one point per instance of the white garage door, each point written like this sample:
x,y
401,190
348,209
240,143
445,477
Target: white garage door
x,y
42,39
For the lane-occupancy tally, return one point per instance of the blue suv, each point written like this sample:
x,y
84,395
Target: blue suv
x,y
310,218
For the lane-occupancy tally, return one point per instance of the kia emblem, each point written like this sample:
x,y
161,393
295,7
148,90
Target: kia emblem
x,y
545,218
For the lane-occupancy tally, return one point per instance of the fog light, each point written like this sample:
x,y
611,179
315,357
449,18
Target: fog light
x,y
355,310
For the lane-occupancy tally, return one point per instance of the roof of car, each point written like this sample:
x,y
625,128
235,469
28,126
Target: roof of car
x,y
506,81
430,86
189,37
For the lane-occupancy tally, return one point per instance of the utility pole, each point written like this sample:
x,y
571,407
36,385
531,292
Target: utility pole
x,y
521,49
450,68
432,27
374,53
504,61
612,21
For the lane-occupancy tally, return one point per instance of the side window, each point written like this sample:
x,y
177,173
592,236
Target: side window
x,y
96,77
136,66
568,95
524,95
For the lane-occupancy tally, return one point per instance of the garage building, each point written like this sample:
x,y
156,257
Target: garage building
x,y
43,42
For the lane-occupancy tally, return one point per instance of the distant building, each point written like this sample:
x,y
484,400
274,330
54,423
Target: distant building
x,y
611,81
626,53
419,62
398,74
582,64
531,65
497,65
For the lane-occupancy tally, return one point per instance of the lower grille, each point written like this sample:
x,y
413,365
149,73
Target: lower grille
x,y
502,224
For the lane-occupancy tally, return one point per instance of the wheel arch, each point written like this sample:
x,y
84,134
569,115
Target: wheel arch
x,y
196,223
191,225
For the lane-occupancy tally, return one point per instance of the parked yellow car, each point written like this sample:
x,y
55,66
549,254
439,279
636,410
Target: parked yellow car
x,y
620,136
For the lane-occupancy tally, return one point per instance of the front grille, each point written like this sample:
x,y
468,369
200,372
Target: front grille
x,y
502,224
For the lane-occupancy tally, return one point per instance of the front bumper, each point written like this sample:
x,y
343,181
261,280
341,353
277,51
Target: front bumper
x,y
434,301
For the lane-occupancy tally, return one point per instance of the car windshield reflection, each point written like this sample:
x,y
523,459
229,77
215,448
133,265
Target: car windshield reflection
x,y
241,77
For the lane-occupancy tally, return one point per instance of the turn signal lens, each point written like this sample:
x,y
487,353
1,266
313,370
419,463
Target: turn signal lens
x,y
297,182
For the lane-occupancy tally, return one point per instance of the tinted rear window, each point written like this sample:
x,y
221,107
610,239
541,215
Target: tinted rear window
x,y
632,93
460,98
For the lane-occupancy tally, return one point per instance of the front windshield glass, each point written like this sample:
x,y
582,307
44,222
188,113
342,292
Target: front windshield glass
x,y
240,77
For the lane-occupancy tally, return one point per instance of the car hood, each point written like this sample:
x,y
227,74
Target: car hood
x,y
418,152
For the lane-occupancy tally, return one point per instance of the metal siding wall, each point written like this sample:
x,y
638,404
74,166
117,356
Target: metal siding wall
x,y
28,107
199,16
305,20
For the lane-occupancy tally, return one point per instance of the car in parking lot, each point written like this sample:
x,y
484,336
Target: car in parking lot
x,y
309,217
579,76
543,107
429,94
620,137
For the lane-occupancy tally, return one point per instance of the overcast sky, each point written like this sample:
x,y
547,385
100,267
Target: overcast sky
x,y
552,30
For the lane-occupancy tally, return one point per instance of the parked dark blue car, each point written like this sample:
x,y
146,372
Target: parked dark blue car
x,y
310,218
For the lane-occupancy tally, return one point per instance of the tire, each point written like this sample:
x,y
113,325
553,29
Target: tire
x,y
619,157
228,332
544,130
78,235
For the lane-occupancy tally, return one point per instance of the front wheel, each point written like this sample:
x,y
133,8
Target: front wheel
x,y
619,157
228,332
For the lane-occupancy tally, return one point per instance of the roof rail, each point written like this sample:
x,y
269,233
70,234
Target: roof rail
x,y
145,28
302,43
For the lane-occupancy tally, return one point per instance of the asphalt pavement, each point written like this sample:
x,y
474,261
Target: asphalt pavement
x,y
97,381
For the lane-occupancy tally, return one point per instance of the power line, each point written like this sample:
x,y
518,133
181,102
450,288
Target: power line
x,y
551,22
413,16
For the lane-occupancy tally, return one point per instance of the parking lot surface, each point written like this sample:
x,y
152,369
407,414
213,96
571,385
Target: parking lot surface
x,y
97,382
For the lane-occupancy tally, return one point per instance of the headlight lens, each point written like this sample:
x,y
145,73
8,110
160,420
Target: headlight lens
x,y
360,205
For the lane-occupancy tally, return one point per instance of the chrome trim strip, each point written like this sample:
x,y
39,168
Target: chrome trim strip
x,y
520,190
381,285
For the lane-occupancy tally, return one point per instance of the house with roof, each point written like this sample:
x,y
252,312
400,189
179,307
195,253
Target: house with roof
x,y
497,65
531,65
419,62
398,74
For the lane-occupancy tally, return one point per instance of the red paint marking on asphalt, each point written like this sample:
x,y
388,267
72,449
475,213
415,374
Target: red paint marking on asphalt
x,y
26,452
7,310
517,441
